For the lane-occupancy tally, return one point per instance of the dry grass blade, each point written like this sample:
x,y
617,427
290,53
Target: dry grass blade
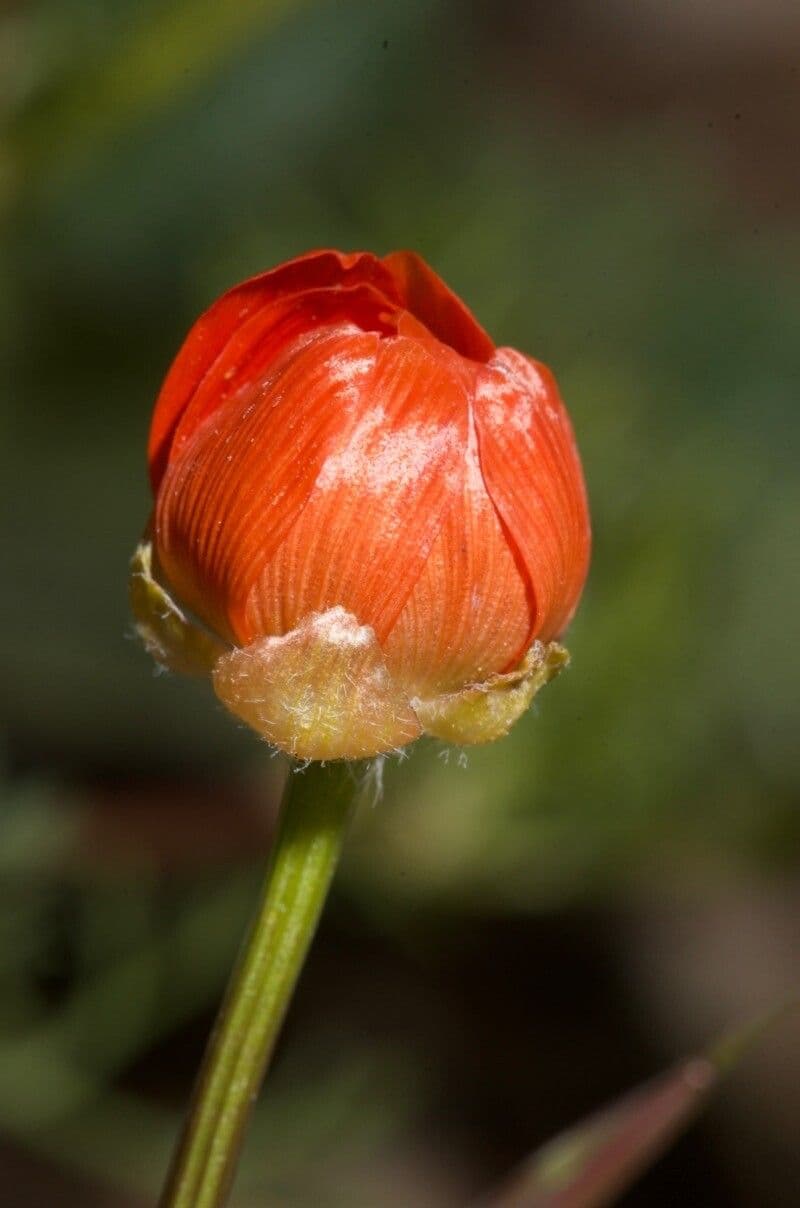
x,y
590,1165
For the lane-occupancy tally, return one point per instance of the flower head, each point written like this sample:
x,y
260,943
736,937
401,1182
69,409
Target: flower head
x,y
369,522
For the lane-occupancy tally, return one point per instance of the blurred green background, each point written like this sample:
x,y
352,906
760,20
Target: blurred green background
x,y
521,932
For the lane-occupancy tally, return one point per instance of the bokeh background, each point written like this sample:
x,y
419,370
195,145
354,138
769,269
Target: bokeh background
x,y
520,933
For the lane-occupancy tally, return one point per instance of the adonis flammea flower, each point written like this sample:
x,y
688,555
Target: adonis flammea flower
x,y
369,522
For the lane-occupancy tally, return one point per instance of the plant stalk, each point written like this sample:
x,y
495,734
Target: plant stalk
x,y
316,806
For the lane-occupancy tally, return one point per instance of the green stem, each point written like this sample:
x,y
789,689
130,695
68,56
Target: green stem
x,y
316,806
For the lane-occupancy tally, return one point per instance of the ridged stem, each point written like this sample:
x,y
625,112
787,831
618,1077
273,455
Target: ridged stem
x,y
314,814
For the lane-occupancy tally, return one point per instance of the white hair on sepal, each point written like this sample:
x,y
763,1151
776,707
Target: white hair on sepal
x,y
459,754
370,781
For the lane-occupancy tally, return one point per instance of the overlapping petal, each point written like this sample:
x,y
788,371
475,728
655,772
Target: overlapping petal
x,y
470,614
424,295
533,474
215,357
230,497
250,324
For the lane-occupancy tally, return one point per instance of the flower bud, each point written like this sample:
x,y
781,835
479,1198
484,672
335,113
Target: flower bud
x,y
369,522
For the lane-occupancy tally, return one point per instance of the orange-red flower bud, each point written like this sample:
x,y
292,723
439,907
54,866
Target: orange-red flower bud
x,y
369,522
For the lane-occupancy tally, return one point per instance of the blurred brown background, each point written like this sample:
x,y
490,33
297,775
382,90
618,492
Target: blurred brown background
x,y
614,188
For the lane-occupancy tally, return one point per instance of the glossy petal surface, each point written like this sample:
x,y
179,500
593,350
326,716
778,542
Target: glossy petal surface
x,y
240,483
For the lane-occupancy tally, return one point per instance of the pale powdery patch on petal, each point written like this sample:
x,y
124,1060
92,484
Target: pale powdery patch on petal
x,y
350,370
523,373
509,391
378,460
521,369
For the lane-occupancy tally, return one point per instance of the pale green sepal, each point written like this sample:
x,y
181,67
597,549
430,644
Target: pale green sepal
x,y
484,712
169,635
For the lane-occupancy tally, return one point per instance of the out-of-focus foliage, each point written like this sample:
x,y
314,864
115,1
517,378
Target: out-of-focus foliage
x,y
155,153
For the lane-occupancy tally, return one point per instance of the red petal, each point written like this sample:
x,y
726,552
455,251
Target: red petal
x,y
258,345
533,474
363,538
206,345
469,615
428,299
229,498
